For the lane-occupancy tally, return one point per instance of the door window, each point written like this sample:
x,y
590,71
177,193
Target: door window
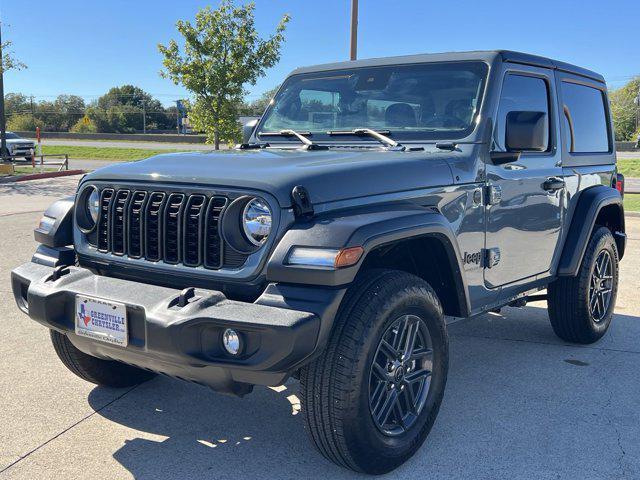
x,y
585,119
521,93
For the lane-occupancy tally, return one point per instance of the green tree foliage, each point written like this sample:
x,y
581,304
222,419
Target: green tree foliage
x,y
222,53
84,125
124,110
61,114
258,106
23,122
9,61
624,108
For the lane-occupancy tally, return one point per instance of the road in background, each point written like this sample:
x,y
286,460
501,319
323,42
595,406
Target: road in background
x,y
128,144
519,403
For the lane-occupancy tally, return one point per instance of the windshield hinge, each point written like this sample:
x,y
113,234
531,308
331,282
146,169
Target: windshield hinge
x,y
250,146
302,206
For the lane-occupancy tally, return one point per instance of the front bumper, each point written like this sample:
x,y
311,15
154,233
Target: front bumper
x,y
19,151
183,342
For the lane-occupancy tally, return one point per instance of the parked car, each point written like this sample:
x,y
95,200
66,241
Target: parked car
x,y
372,200
20,147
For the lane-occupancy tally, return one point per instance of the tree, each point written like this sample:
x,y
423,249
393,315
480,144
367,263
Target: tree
x,y
258,106
127,109
23,122
61,114
84,125
624,109
222,53
9,61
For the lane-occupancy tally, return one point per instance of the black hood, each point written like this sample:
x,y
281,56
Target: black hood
x,y
328,175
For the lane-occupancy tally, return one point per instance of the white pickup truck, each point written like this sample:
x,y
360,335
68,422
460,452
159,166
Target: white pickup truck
x,y
20,147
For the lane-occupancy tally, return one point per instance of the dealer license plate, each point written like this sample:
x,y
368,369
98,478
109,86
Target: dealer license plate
x,y
101,320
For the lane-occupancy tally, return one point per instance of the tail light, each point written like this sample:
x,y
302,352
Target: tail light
x,y
618,183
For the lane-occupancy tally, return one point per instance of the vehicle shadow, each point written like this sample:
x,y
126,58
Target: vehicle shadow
x,y
513,387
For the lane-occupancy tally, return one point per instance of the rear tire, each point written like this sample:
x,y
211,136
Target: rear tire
x,y
345,393
107,373
581,307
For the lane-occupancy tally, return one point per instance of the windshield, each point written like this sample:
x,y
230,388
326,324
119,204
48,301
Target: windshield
x,y
11,136
410,102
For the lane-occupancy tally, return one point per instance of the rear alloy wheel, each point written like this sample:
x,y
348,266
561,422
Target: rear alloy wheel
x,y
581,307
601,286
370,400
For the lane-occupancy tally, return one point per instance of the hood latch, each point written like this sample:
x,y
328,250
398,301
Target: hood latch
x,y
302,206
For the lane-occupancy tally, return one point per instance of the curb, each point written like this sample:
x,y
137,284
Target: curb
x,y
38,176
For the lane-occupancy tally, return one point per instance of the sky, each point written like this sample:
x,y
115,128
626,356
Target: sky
x,y
85,47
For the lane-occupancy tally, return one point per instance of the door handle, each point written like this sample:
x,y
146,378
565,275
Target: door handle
x,y
552,184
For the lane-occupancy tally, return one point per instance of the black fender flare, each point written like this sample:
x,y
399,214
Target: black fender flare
x,y
369,228
590,203
61,233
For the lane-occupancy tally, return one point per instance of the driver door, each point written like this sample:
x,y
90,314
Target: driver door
x,y
524,215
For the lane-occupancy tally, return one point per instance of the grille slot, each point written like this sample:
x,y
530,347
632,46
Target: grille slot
x,y
153,223
170,227
103,220
173,228
213,243
192,231
118,226
135,225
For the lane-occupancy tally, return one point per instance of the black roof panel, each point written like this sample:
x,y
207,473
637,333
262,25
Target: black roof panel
x,y
488,56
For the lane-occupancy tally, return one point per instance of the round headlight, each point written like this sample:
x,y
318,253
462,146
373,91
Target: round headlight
x,y
256,221
93,205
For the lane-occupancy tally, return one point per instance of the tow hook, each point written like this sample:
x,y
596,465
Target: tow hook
x,y
58,272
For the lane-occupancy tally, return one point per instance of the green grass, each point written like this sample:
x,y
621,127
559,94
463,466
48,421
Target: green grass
x,y
103,153
632,202
18,171
629,167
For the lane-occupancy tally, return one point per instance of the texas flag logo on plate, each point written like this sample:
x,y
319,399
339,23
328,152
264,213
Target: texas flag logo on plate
x,y
82,315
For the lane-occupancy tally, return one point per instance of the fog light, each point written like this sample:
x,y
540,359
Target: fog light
x,y
231,341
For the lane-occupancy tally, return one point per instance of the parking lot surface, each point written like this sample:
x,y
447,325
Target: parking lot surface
x,y
519,404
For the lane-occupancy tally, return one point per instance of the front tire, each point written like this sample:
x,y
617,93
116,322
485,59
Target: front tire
x,y
107,373
581,307
373,396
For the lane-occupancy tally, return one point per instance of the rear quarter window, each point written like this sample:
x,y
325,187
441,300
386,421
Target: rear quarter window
x,y
585,119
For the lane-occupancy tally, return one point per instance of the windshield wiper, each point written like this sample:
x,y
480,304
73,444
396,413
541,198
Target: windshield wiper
x,y
367,132
308,144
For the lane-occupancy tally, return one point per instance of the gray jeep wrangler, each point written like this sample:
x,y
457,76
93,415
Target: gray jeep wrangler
x,y
373,201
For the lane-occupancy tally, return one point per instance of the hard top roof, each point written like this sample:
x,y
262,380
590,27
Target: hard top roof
x,y
487,56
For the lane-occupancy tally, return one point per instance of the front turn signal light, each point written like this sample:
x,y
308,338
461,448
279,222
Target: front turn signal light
x,y
348,257
325,257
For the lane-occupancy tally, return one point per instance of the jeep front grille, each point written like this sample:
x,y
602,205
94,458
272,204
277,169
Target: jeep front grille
x,y
174,228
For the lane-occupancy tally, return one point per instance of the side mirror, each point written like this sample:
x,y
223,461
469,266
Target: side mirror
x,y
526,131
247,129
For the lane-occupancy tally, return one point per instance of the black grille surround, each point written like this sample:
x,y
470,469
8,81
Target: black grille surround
x,y
173,227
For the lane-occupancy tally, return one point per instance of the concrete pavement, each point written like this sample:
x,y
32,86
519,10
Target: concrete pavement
x,y
519,404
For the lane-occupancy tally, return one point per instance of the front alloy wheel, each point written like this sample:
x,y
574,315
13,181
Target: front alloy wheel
x,y
370,400
400,375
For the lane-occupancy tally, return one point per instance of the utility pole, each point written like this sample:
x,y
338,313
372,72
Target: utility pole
x,y
3,126
144,118
354,29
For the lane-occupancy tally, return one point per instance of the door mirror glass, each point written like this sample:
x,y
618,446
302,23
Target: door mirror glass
x,y
247,129
526,131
